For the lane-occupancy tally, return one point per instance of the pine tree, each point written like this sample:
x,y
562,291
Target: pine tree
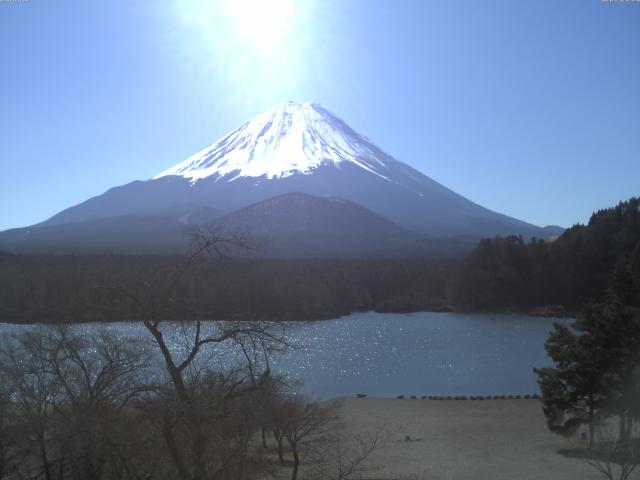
x,y
572,392
597,358
611,330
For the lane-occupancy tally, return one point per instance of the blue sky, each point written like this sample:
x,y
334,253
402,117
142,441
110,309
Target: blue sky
x,y
530,108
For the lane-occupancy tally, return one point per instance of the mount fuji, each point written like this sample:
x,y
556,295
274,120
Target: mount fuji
x,y
295,147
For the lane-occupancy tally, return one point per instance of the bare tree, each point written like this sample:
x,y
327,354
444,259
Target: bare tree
x,y
71,399
345,457
305,423
273,413
8,460
67,395
98,379
315,437
33,394
614,458
197,403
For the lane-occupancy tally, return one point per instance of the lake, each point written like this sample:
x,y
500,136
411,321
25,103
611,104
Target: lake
x,y
422,353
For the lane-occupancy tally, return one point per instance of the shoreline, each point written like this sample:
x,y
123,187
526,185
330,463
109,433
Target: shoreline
x,y
451,398
320,318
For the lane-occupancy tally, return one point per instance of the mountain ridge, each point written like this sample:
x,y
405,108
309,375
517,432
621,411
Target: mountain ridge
x,y
296,148
290,226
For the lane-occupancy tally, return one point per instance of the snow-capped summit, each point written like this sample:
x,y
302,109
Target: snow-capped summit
x,y
290,138
295,147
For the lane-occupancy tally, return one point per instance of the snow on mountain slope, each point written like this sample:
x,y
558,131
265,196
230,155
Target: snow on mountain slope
x,y
299,147
291,138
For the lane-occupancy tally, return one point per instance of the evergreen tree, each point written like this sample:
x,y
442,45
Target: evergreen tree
x,y
597,372
572,392
611,331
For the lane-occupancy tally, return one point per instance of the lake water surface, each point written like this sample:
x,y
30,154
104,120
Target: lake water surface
x,y
410,354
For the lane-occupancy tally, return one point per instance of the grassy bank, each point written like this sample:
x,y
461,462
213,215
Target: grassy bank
x,y
447,440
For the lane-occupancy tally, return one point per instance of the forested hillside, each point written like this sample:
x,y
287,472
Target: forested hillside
x,y
510,273
99,288
501,274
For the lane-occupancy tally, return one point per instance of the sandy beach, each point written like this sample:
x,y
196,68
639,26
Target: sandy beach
x,y
463,440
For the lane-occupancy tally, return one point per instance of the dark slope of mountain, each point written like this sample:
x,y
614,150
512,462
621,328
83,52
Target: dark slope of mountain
x,y
554,230
298,214
509,273
122,234
292,225
425,206
301,225
169,197
300,148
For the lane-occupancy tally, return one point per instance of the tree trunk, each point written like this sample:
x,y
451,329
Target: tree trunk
x,y
591,423
280,448
174,451
623,426
296,463
198,449
45,459
264,437
60,468
172,369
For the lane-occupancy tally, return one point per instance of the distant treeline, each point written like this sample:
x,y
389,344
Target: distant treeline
x,y
509,273
90,288
501,274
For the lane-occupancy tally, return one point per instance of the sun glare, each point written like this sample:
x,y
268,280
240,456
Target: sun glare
x,y
261,24
266,51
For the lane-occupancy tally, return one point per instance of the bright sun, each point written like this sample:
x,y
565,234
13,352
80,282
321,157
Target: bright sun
x,y
266,51
263,25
